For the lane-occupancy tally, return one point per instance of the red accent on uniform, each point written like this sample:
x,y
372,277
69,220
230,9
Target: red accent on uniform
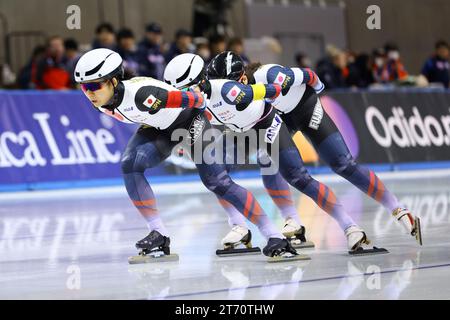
x,y
330,202
273,192
321,195
114,115
191,99
224,203
380,190
277,89
256,212
174,99
199,100
410,218
248,203
149,202
208,115
372,184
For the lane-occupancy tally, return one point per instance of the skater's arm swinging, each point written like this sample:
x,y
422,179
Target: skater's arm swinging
x,y
288,77
236,93
157,98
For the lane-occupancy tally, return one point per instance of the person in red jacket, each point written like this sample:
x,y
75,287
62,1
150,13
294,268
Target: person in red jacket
x,y
51,70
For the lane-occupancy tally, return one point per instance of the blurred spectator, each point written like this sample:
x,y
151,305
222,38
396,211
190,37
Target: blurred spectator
x,y
436,68
182,44
379,70
394,66
360,72
72,56
126,47
26,74
332,70
51,70
302,60
202,49
7,77
151,58
237,46
217,44
105,37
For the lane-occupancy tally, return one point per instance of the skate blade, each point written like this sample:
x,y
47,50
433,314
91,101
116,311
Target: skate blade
x,y
418,234
364,252
297,244
288,258
151,259
238,252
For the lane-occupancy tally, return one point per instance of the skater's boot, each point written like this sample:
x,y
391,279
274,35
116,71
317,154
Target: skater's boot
x,y
357,242
154,248
410,223
356,237
155,241
282,250
296,234
238,236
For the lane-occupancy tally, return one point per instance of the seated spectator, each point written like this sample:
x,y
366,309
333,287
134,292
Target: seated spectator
x,y
7,77
105,37
395,69
360,72
379,70
151,58
237,46
51,70
217,44
72,56
302,60
26,74
126,47
332,70
182,44
436,68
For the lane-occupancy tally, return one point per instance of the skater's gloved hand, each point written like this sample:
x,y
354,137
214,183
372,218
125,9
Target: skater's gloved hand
x,y
314,81
204,103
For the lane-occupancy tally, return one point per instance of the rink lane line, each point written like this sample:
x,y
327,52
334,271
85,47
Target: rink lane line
x,y
191,187
339,277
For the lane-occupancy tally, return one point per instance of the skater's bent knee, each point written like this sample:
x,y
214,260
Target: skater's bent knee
x,y
296,176
344,165
217,184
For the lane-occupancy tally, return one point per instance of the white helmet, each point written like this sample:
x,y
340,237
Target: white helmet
x,y
184,70
98,64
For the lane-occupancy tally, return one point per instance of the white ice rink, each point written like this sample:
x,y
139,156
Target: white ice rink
x,y
74,244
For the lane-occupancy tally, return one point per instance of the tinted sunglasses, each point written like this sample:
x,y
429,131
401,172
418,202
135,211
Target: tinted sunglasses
x,y
91,86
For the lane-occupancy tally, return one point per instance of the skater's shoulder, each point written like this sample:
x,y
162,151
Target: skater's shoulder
x,y
138,82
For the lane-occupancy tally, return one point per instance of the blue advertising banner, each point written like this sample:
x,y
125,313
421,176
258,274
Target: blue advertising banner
x,y
57,136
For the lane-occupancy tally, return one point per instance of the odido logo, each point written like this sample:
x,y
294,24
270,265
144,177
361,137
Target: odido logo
x,y
404,131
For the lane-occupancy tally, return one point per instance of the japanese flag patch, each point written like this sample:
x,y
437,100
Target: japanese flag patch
x,y
150,101
233,93
279,79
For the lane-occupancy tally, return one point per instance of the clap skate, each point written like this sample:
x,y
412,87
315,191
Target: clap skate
x,y
281,250
237,236
154,248
295,234
409,222
358,242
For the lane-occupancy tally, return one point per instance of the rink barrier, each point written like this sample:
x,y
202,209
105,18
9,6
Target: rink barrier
x,y
55,139
245,174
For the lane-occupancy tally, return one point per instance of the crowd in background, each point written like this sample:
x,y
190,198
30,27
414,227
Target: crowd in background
x,y
51,66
